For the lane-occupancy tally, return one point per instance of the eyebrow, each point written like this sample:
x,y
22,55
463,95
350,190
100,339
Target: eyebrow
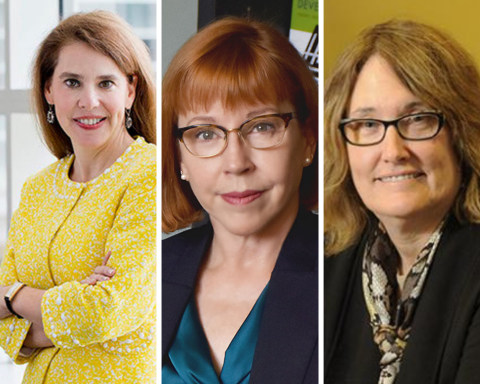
x,y
405,109
201,120
363,111
414,104
71,75
262,111
250,115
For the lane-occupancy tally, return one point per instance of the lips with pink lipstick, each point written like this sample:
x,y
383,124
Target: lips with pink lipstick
x,y
241,198
90,122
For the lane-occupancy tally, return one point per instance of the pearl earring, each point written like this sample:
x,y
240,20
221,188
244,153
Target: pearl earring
x,y
308,160
182,176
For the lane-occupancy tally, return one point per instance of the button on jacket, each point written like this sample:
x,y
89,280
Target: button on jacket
x,y
59,234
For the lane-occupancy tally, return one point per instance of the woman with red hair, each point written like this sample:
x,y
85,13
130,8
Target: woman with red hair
x,y
239,132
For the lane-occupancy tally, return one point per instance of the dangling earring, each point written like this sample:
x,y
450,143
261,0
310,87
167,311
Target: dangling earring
x,y
182,176
50,114
128,119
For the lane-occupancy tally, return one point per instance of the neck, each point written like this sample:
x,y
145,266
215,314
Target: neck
x,y
90,163
409,239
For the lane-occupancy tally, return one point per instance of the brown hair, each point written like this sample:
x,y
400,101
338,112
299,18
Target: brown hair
x,y
111,36
433,67
238,61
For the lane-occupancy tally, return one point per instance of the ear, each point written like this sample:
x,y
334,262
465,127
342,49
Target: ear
x,y
48,92
131,91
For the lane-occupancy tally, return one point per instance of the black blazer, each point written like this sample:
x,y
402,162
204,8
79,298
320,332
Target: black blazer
x,y
287,346
444,344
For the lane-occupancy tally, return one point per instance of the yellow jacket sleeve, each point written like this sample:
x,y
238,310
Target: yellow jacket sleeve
x,y
12,330
77,314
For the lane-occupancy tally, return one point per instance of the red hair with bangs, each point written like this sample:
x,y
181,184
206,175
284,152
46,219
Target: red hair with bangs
x,y
240,62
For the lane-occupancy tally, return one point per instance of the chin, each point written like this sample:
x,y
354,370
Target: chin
x,y
91,142
241,226
404,212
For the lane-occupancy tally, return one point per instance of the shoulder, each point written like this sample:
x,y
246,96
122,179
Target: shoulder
x,y
458,255
137,167
339,269
144,158
304,231
185,246
185,239
342,259
41,180
309,222
299,251
148,151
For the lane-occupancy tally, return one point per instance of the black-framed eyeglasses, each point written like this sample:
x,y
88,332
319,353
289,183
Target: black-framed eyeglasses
x,y
261,132
414,127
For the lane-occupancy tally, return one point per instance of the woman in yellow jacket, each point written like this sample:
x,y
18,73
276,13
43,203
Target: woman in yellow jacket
x,y
70,316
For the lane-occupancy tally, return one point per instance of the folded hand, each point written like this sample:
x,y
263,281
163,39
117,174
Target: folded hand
x,y
100,273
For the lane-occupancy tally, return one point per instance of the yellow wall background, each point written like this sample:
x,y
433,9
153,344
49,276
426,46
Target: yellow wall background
x,y
344,19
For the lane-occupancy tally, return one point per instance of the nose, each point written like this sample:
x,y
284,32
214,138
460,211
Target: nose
x,y
88,99
236,158
394,148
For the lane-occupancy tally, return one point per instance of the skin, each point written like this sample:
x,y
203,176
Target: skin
x,y
410,209
85,84
247,238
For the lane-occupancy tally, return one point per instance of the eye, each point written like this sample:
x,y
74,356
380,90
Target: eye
x,y
417,119
363,125
106,84
369,124
72,83
262,127
206,134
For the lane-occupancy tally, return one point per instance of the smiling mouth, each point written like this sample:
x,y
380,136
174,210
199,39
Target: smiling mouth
x,y
397,178
90,122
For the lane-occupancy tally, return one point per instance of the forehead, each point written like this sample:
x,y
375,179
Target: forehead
x,y
219,111
378,90
80,58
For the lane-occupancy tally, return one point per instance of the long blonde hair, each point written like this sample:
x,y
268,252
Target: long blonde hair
x,y
435,68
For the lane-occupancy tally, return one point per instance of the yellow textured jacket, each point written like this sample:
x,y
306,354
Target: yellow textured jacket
x,y
59,234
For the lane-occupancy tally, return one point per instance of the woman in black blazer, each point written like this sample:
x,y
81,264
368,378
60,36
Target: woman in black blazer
x,y
239,133
402,173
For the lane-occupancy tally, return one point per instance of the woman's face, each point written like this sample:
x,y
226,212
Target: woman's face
x,y
90,94
247,191
399,179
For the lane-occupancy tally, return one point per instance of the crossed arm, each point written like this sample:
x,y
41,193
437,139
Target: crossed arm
x,y
80,313
27,303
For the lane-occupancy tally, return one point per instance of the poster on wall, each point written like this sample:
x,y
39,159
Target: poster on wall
x,y
304,31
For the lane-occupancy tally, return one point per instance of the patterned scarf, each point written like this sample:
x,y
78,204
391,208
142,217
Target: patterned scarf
x,y
391,314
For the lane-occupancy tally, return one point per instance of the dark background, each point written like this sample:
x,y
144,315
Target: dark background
x,y
277,12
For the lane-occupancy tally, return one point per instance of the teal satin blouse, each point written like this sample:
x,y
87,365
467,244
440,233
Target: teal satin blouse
x,y
189,360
